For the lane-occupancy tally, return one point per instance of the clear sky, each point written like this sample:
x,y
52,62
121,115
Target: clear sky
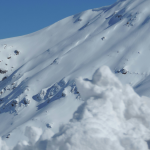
x,y
20,17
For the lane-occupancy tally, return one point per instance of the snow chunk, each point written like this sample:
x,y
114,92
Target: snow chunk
x,y
33,134
3,145
102,78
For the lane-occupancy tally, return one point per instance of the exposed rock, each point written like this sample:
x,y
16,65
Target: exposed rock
x,y
3,71
119,16
103,38
8,57
14,102
48,125
4,78
63,94
8,136
26,101
79,19
16,52
124,71
2,91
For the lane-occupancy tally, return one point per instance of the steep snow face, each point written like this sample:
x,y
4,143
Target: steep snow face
x,y
38,71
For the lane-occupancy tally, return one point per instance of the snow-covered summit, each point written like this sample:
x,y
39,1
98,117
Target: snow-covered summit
x,y
38,71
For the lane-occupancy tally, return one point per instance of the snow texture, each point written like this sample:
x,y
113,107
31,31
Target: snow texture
x,y
112,116
57,93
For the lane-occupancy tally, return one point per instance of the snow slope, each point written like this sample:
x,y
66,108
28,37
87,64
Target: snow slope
x,y
38,72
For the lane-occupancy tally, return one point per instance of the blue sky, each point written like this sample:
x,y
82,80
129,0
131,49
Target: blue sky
x,y
20,17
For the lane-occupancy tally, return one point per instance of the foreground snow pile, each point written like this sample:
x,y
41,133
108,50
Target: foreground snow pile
x,y
112,116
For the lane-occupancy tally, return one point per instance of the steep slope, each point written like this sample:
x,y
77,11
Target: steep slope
x,y
38,71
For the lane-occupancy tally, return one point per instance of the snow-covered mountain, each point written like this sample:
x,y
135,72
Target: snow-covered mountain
x,y
55,94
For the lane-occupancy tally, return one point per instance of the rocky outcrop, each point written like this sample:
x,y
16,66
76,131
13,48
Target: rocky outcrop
x,y
3,71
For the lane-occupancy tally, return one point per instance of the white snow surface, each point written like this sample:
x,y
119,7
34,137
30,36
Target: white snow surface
x,y
57,93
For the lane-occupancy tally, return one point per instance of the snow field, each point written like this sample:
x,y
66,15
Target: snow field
x,y
38,89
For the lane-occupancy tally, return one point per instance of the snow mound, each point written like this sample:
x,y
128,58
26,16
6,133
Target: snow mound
x,y
112,116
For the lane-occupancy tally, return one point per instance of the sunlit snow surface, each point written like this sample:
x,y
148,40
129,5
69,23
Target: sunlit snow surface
x,y
53,96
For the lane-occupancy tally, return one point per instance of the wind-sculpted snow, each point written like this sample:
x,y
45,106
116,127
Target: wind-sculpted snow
x,y
112,116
